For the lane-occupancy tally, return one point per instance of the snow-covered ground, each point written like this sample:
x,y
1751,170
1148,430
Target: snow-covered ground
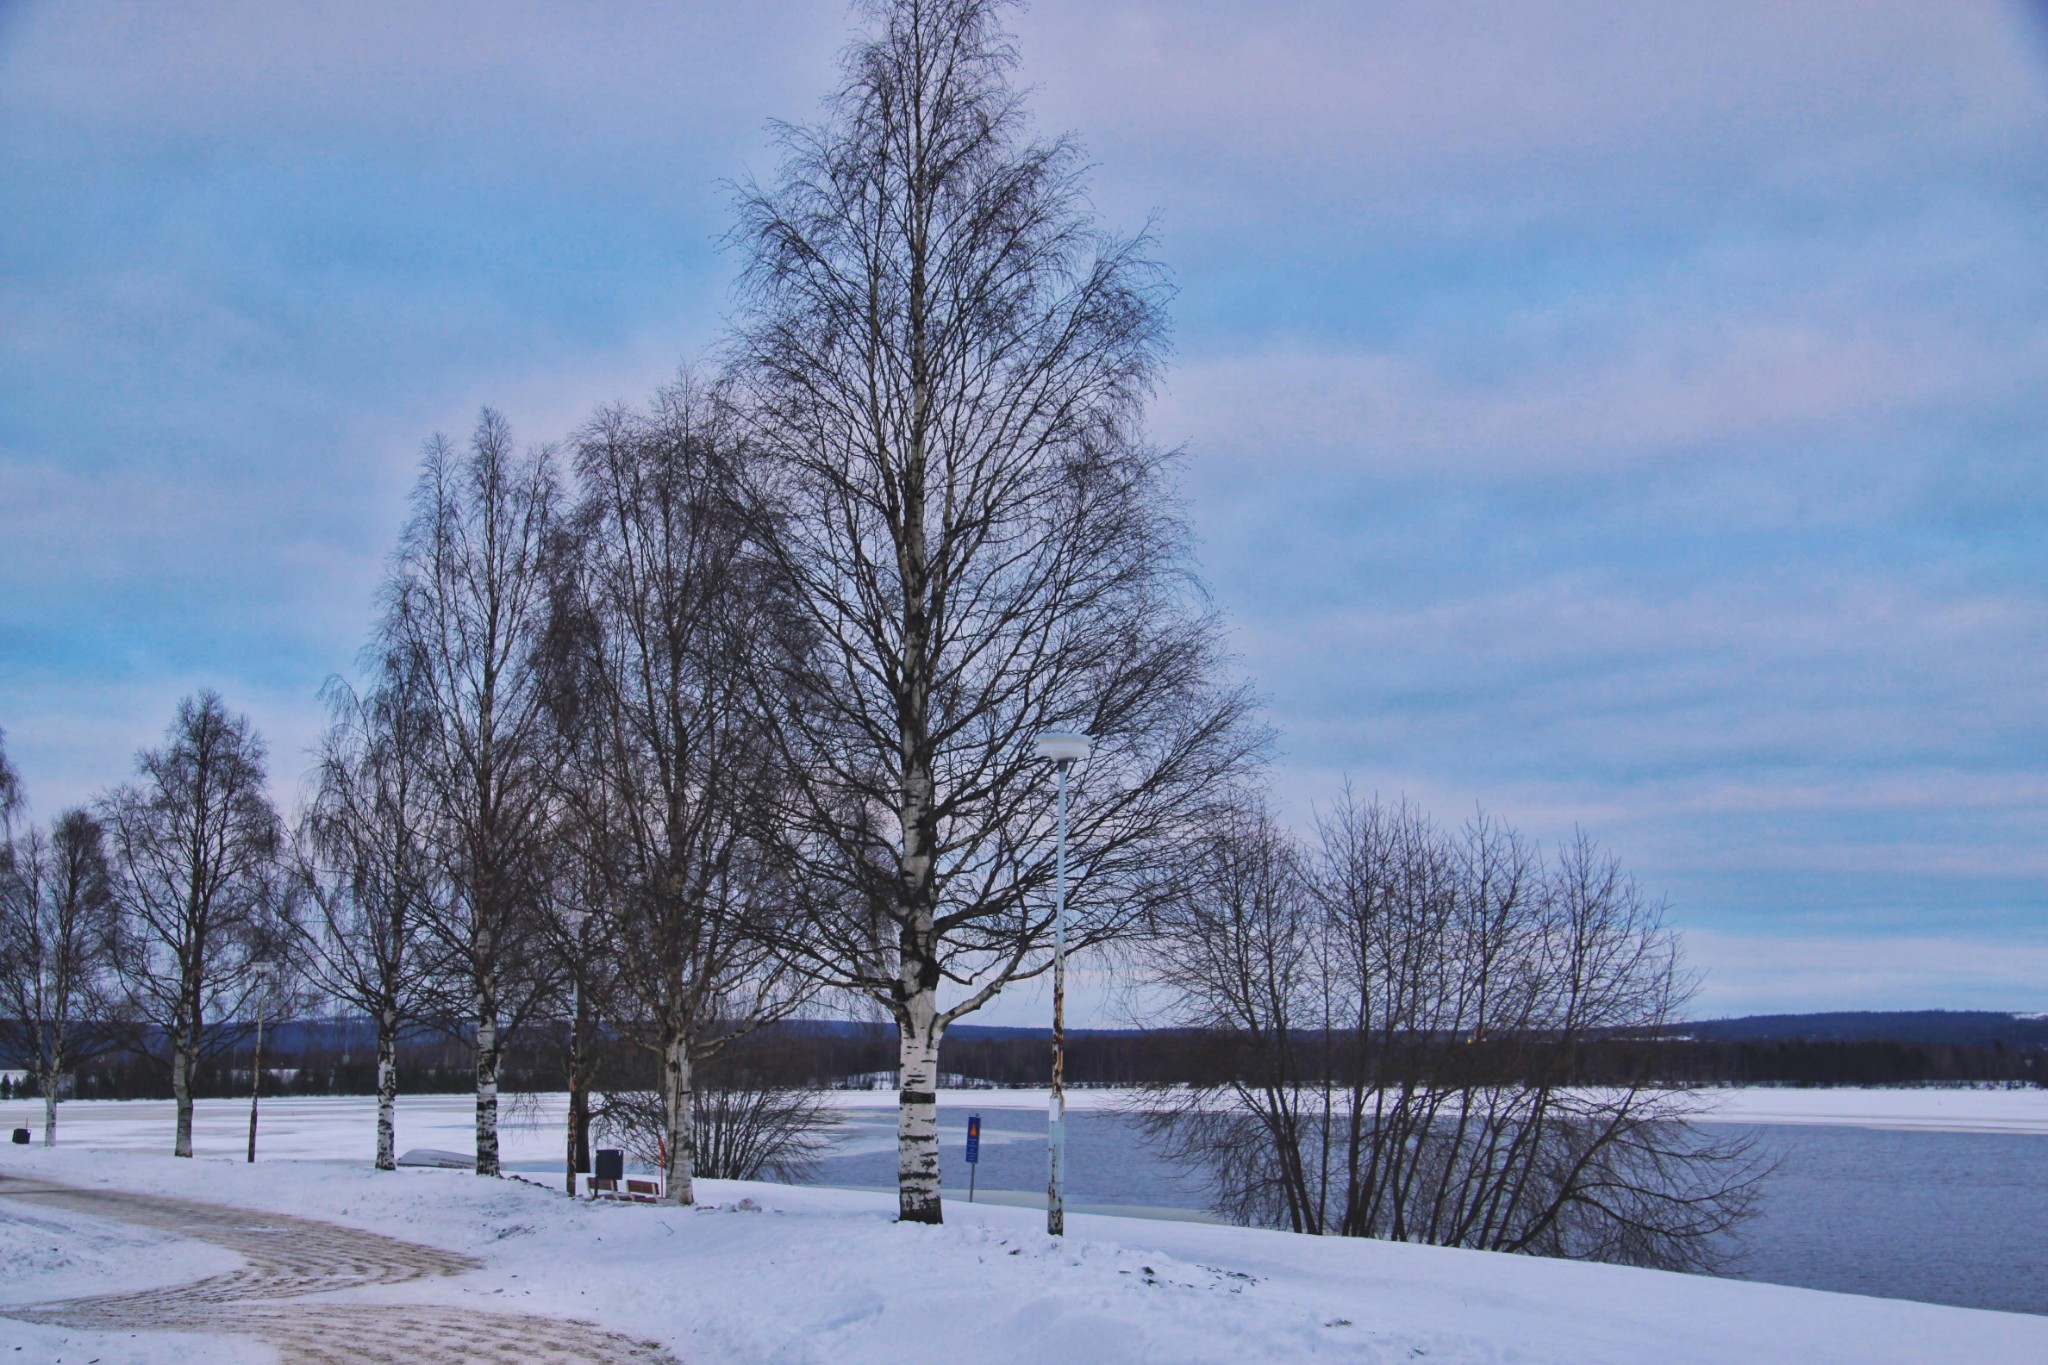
x,y
827,1275
325,1128
1924,1109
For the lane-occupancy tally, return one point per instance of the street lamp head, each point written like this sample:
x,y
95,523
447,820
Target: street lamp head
x,y
1062,748
575,919
262,970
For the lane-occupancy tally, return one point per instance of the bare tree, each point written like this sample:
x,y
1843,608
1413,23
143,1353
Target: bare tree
x,y
1406,1012
369,878
673,780
946,359
1237,951
747,1121
466,609
56,925
193,845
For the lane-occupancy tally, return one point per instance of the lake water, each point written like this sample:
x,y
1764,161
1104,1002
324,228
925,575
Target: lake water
x,y
1955,1218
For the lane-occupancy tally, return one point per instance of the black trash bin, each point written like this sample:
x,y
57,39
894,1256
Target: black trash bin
x,y
21,1137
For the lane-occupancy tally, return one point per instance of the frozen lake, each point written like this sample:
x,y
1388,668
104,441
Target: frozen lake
x,y
1940,1196
1908,1210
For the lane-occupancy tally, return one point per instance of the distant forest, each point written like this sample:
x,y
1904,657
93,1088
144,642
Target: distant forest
x,y
1865,1048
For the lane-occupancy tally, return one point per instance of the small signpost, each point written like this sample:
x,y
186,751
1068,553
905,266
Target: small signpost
x,y
973,1152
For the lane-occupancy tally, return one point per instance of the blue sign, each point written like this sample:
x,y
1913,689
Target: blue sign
x,y
973,1138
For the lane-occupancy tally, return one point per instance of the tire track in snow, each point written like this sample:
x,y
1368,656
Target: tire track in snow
x,y
291,1259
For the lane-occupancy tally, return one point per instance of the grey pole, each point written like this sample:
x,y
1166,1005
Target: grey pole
x,y
261,971
1063,750
1056,1119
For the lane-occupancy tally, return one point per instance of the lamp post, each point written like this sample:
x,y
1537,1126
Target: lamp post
x,y
577,1161
1063,751
262,972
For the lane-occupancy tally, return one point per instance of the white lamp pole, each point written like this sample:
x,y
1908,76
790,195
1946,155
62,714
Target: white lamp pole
x,y
262,973
1063,751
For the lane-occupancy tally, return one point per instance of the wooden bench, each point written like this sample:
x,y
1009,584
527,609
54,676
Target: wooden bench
x,y
636,1191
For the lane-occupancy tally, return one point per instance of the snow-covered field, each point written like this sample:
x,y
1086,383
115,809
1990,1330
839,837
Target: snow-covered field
x,y
1931,1109
1925,1110
827,1275
340,1127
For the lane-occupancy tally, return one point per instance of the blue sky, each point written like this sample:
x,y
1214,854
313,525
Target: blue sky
x,y
1622,416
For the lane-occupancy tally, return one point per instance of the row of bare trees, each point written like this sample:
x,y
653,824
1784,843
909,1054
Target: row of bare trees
x,y
728,703
133,922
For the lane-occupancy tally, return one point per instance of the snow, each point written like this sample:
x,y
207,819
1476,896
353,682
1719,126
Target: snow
x,y
1926,1109
1958,1109
51,1253
827,1275
326,1128
343,1127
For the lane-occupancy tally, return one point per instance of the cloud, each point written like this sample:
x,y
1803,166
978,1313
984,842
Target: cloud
x,y
1395,414
1768,974
1451,116
534,78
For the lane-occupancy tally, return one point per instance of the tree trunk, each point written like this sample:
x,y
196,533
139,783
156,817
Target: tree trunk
x,y
181,1090
578,1136
917,1112
579,1133
486,1082
54,1054
679,1099
387,1090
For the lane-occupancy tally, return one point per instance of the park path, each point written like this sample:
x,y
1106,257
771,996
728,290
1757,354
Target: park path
x,y
290,1261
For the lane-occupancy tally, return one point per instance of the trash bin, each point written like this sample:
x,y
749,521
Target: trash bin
x,y
611,1164
21,1137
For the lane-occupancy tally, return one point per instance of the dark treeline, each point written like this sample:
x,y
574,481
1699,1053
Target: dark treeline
x,y
1175,1057
1967,1028
340,1058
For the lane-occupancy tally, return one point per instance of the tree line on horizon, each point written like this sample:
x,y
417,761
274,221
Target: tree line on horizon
x,y
720,710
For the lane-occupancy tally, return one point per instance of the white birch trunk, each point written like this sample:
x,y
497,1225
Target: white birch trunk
x,y
50,1110
679,1099
387,1091
486,1084
917,1112
181,1090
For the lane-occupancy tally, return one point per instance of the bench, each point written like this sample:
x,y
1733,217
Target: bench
x,y
635,1191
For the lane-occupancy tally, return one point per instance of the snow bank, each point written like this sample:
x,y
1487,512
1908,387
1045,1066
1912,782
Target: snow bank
x,y
765,1272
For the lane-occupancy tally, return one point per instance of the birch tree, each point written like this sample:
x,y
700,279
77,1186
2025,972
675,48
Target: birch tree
x,y
675,781
466,609
947,358
193,844
56,926
367,870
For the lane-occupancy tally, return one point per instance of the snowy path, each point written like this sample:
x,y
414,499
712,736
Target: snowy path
x,y
286,1262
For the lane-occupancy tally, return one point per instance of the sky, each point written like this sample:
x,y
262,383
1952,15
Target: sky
x,y
1628,418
